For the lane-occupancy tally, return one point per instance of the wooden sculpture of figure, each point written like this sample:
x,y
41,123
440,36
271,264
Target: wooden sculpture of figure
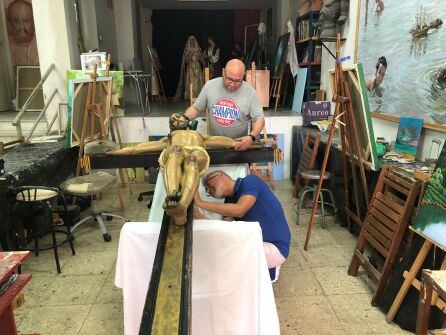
x,y
183,160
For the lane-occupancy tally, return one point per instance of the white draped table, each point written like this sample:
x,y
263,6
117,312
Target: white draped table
x,y
231,287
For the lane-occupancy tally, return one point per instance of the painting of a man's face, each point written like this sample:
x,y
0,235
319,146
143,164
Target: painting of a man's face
x,y
20,21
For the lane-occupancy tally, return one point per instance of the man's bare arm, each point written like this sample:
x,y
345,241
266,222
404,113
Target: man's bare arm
x,y
237,210
257,127
192,112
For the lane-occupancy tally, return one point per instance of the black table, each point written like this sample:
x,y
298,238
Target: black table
x,y
41,164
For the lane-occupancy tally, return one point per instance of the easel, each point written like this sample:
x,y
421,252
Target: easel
x,y
92,109
156,72
343,116
276,87
255,168
410,279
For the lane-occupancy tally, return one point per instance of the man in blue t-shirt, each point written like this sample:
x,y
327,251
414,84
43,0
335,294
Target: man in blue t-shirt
x,y
249,199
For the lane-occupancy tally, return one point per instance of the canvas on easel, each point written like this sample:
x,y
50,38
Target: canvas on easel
x,y
279,67
78,102
354,76
352,157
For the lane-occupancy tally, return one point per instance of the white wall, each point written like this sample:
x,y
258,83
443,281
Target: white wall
x,y
105,19
382,128
125,20
87,10
53,47
72,31
145,36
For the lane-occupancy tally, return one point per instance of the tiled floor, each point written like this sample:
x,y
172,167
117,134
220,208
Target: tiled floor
x,y
314,295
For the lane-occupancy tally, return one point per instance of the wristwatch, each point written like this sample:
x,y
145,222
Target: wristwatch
x,y
253,138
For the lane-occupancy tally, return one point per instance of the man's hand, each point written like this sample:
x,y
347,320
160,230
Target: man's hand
x,y
198,215
243,143
197,199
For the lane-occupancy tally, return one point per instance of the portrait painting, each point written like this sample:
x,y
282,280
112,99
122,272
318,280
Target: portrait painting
x,y
21,33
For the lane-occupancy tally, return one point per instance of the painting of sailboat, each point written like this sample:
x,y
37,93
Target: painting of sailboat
x,y
401,48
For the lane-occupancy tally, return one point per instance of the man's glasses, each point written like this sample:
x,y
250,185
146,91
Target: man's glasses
x,y
208,188
233,81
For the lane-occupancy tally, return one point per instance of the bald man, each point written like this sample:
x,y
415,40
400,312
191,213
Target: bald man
x,y
233,104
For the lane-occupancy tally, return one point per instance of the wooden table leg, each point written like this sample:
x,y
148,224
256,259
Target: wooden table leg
x,y
424,304
422,254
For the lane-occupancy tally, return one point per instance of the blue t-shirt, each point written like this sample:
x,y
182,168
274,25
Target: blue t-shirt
x,y
267,210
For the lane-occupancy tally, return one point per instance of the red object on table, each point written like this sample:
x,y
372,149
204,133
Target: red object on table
x,y
9,263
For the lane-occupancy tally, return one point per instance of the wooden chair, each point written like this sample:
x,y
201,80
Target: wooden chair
x,y
386,221
433,285
307,161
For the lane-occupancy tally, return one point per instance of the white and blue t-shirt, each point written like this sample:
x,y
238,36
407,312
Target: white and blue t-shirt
x,y
230,113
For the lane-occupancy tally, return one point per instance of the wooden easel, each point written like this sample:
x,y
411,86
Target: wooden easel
x,y
265,172
94,109
91,110
411,280
344,116
159,83
276,87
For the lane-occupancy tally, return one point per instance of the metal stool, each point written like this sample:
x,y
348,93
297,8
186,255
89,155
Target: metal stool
x,y
27,228
315,175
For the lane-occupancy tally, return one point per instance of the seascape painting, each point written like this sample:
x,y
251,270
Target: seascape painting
x,y
401,47
431,217
408,136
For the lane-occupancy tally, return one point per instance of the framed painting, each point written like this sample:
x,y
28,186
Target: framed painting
x,y
401,47
89,60
408,136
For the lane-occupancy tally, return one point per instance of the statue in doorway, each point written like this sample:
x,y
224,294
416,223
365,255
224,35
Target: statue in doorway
x,y
191,71
332,17
183,161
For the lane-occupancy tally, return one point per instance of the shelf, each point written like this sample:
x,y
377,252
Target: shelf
x,y
314,38
306,15
305,64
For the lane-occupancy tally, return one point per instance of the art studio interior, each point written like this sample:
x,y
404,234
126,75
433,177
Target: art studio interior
x,y
222,167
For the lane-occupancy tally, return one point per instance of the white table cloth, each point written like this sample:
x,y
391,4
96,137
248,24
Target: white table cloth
x,y
231,288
